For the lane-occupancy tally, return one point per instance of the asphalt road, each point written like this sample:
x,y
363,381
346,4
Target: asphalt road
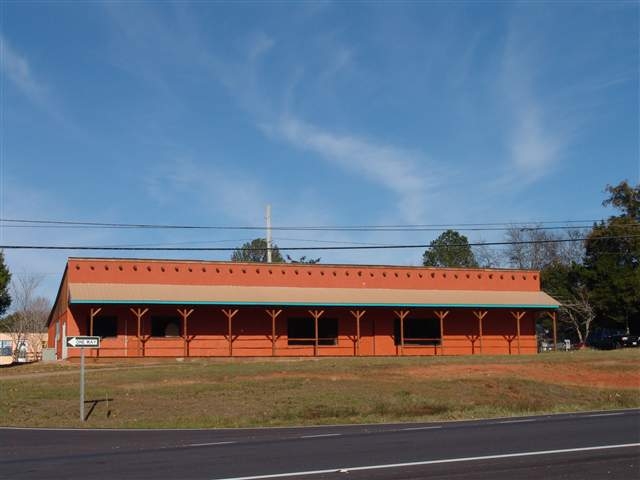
x,y
571,446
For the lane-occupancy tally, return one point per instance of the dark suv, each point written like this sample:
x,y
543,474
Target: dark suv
x,y
624,340
611,339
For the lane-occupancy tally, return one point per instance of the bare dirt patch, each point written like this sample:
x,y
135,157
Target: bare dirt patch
x,y
333,377
566,374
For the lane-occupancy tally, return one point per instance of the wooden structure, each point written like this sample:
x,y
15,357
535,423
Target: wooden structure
x,y
149,308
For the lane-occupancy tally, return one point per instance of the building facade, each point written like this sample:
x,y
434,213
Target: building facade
x,y
179,308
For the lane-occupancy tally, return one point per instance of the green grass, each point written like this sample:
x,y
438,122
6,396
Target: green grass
x,y
270,392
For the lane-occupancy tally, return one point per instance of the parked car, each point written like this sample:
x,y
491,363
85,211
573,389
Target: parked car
x,y
612,339
624,341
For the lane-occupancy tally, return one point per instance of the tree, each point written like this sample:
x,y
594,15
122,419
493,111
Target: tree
x,y
532,247
255,251
486,256
450,249
567,283
626,198
5,279
29,318
303,259
613,261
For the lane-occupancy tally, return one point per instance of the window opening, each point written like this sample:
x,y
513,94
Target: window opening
x,y
418,331
301,331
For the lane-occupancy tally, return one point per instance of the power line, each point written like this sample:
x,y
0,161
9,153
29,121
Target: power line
x,y
497,226
312,248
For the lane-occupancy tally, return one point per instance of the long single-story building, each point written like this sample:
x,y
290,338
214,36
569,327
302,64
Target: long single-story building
x,y
185,308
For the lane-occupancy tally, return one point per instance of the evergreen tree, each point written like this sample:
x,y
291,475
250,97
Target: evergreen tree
x,y
255,251
450,249
5,279
613,261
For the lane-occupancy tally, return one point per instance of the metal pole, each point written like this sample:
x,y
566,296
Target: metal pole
x,y
82,384
268,233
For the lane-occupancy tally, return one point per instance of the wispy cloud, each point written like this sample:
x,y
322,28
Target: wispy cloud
x,y
534,149
260,44
340,59
395,169
208,187
536,138
17,69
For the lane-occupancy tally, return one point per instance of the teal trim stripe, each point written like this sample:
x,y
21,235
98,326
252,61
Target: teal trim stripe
x,y
303,304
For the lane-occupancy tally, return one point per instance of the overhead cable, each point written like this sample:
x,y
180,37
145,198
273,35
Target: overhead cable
x,y
311,248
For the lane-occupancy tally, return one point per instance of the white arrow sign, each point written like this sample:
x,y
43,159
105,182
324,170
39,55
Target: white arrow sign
x,y
83,342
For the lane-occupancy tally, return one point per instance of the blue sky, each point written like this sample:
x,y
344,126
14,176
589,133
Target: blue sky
x,y
335,113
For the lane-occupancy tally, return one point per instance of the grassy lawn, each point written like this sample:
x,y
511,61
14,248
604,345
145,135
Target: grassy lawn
x,y
269,392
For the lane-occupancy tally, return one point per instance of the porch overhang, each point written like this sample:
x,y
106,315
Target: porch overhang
x,y
164,294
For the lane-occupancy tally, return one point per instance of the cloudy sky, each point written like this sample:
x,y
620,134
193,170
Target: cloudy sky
x,y
335,113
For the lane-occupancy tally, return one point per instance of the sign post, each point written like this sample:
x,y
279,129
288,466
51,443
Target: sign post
x,y
82,343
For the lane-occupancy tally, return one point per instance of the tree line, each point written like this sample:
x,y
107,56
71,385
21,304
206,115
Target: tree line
x,y
594,273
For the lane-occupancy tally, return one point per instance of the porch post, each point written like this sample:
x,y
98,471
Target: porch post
x,y
441,314
138,312
554,318
401,314
480,316
230,314
184,313
92,314
358,314
518,316
273,314
316,314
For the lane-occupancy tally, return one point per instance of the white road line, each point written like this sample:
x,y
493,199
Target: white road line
x,y
420,428
432,462
206,444
605,414
518,421
323,435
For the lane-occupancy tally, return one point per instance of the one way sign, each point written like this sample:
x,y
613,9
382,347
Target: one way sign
x,y
83,342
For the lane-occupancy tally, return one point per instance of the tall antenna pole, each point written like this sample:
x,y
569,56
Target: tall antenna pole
x,y
268,218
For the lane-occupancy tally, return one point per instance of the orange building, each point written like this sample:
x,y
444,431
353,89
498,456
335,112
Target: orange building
x,y
182,308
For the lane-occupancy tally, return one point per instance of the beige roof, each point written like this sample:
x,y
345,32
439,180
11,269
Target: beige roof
x,y
97,293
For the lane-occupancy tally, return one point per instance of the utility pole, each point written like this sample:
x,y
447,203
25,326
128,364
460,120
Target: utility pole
x,y
268,218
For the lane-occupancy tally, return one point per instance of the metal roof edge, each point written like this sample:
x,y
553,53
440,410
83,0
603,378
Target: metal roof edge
x,y
309,304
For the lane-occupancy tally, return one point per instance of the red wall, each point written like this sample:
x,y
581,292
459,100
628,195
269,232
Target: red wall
x,y
297,275
251,329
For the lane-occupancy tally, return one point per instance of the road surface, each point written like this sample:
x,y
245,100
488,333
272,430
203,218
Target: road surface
x,y
568,446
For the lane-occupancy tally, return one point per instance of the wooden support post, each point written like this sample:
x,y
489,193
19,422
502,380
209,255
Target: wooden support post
x,y
316,314
401,314
184,313
230,314
273,314
358,314
138,312
92,314
555,331
518,316
480,314
441,314
554,318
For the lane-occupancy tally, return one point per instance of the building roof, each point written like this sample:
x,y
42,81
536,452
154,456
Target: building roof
x,y
114,293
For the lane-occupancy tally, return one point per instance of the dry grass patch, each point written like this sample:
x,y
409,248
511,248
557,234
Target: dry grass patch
x,y
266,392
